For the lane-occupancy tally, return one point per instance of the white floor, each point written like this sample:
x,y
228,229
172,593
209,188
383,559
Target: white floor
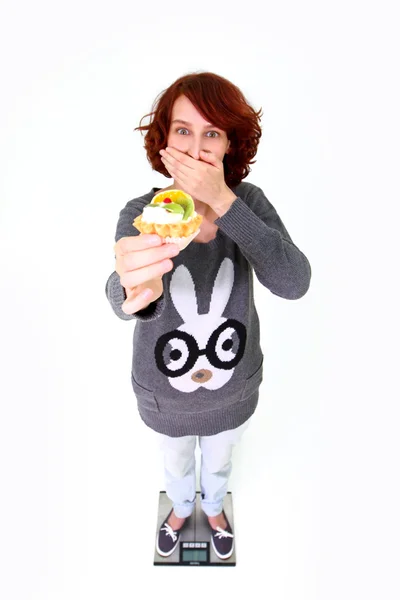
x,y
314,482
275,484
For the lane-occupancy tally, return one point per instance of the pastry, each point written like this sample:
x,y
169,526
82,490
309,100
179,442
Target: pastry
x,y
172,216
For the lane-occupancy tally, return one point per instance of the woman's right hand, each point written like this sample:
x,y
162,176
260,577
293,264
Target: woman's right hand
x,y
140,262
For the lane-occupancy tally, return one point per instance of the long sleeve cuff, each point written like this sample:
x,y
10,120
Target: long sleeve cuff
x,y
116,295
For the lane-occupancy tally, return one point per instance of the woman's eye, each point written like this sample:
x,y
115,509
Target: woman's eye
x,y
183,131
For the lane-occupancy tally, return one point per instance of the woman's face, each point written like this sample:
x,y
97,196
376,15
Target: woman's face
x,y
190,133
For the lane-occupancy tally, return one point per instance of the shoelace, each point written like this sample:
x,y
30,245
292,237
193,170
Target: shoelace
x,y
169,531
222,533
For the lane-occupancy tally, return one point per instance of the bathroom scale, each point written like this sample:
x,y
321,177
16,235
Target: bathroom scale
x,y
194,548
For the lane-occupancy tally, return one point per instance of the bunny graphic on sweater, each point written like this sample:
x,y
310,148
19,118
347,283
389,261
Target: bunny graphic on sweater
x,y
204,351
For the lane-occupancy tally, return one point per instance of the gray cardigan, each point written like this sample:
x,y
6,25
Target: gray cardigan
x,y
197,360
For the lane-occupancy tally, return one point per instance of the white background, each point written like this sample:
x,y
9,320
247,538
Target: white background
x,y
315,479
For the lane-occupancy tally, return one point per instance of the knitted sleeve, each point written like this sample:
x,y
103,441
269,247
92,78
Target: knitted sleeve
x,y
255,226
115,292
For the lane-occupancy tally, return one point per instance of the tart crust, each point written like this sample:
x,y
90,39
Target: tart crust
x,y
181,229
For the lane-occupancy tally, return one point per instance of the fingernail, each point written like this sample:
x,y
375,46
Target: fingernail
x,y
174,250
167,264
154,240
125,309
147,294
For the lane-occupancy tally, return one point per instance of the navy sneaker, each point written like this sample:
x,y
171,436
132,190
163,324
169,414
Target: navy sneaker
x,y
222,541
167,538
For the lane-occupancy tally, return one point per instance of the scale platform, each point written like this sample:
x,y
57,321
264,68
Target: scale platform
x,y
194,548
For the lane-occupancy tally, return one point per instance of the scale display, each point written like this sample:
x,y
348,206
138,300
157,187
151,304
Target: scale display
x,y
195,555
194,548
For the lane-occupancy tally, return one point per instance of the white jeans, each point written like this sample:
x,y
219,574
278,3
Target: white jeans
x,y
216,466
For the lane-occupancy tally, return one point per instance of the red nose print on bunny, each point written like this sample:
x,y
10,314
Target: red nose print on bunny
x,y
202,376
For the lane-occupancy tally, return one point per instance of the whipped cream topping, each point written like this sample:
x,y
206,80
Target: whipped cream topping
x,y
162,216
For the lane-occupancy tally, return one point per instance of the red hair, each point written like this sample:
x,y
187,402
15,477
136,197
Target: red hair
x,y
221,103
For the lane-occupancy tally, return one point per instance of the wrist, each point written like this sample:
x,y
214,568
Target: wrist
x,y
224,202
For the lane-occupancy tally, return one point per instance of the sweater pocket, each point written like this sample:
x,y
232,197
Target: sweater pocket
x,y
145,398
253,382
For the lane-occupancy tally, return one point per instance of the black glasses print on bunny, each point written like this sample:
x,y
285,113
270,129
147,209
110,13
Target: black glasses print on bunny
x,y
185,350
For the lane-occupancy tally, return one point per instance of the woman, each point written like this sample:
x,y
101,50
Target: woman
x,y
197,361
